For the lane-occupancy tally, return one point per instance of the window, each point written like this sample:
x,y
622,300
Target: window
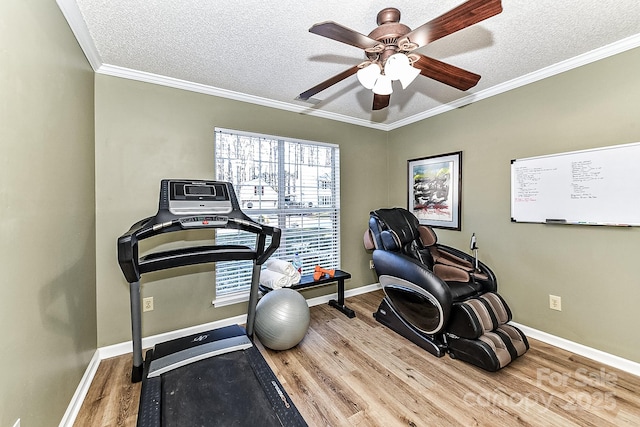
x,y
290,184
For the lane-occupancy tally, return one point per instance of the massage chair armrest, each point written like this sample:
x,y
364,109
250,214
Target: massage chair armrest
x,y
491,282
404,267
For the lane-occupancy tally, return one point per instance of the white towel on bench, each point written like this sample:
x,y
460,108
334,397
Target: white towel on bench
x,y
281,266
273,279
278,274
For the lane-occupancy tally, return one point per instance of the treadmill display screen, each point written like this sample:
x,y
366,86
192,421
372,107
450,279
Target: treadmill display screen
x,y
200,190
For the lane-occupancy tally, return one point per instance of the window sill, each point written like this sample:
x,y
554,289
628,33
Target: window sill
x,y
231,299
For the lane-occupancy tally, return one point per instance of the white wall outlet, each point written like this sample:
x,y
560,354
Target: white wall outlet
x,y
371,266
17,423
147,304
555,302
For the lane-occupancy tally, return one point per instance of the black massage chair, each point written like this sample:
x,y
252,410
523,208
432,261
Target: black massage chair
x,y
440,298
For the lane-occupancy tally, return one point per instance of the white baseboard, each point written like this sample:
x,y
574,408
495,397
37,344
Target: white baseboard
x,y
126,347
582,350
71,413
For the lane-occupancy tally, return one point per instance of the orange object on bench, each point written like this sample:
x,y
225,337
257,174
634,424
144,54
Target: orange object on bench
x,y
320,272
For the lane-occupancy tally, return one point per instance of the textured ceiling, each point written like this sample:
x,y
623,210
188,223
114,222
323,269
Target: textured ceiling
x,y
262,52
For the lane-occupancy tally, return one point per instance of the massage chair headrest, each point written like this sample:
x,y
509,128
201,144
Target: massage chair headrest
x,y
393,228
398,230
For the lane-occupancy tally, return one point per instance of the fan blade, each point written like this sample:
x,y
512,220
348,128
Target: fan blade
x,y
465,15
380,101
446,73
329,82
335,31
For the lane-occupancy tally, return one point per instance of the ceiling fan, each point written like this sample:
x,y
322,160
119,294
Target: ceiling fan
x,y
389,49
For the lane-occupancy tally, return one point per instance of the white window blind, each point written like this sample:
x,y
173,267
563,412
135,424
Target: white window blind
x,y
290,184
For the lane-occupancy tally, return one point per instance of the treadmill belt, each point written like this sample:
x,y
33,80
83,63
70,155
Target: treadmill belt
x,y
226,390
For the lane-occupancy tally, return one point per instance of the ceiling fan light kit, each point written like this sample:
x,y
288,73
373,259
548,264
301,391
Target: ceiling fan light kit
x,y
383,85
398,67
395,66
390,50
368,74
408,76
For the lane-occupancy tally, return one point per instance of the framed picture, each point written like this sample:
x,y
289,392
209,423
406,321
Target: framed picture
x,y
435,189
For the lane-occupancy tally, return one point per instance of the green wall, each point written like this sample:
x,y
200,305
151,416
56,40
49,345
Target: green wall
x,y
146,132
593,269
47,229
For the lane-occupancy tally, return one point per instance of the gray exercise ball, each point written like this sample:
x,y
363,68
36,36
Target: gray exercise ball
x,y
282,319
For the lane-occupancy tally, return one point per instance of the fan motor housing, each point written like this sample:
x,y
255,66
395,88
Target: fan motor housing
x,y
389,28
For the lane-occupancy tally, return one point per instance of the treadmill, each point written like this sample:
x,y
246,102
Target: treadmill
x,y
212,378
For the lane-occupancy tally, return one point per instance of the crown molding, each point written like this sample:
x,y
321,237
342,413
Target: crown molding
x,y
560,67
127,73
79,28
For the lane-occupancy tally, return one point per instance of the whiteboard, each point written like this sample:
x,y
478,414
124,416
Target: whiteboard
x,y
591,187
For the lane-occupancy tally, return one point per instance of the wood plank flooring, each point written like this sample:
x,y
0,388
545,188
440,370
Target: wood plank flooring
x,y
356,372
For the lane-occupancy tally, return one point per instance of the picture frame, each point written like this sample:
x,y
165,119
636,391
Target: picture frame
x,y
435,190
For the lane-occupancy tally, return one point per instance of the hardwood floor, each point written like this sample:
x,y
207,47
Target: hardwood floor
x,y
356,372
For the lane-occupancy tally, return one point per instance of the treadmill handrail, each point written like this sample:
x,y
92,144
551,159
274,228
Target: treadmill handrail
x,y
275,234
128,251
129,259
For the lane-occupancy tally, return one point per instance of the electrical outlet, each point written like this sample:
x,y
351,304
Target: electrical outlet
x,y
147,304
371,266
555,302
17,424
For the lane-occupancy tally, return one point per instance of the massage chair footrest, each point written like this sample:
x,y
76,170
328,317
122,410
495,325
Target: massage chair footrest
x,y
492,350
475,316
390,318
478,352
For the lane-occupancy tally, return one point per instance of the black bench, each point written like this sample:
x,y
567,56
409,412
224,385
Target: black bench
x,y
307,281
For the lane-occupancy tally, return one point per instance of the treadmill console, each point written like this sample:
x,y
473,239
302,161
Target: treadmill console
x,y
193,204
195,197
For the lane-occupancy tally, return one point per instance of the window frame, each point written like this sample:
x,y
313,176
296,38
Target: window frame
x,y
286,208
